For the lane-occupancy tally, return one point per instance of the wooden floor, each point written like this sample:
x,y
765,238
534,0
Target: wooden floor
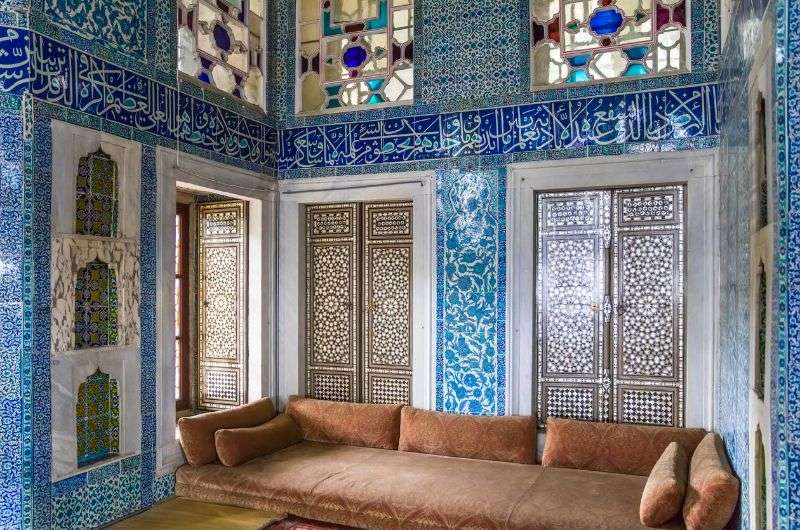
x,y
177,513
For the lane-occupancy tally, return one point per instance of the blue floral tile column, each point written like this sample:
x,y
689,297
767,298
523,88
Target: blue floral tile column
x,y
12,296
785,389
470,291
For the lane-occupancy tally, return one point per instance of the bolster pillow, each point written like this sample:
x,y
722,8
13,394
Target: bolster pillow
x,y
662,498
359,424
612,447
500,438
197,432
713,491
237,446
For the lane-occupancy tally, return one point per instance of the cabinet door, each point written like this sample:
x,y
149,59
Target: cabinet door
x,y
648,326
572,307
386,375
332,302
222,311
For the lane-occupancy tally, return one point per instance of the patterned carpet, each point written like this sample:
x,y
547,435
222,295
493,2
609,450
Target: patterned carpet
x,y
295,523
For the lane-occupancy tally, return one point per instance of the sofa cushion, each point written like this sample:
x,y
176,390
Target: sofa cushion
x,y
612,447
502,438
662,498
379,489
197,432
358,424
237,446
577,499
713,491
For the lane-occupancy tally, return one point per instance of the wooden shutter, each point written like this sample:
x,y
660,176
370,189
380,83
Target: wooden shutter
x,y
648,327
387,341
332,302
574,234
222,311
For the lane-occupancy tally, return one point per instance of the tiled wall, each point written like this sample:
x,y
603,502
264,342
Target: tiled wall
x,y
785,389
125,84
746,31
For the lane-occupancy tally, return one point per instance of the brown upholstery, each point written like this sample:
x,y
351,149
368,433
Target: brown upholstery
x,y
587,500
357,424
197,432
612,447
662,498
502,438
713,491
380,489
237,446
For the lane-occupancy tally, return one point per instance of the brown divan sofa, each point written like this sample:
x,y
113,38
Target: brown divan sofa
x,y
395,467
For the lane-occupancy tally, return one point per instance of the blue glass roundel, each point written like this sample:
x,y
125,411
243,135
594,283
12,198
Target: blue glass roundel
x,y
354,56
222,38
606,21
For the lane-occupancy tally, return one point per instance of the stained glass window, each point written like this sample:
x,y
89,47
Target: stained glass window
x,y
578,41
220,42
96,205
95,306
354,53
97,418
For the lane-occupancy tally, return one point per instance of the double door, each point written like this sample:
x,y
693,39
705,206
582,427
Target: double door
x,y
610,305
358,302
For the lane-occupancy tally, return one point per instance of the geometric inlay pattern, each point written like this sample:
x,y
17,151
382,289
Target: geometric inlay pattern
x,y
600,334
390,390
332,293
390,306
387,281
648,208
332,302
569,294
647,320
654,407
222,308
572,264
220,301
572,402
331,386
221,385
647,279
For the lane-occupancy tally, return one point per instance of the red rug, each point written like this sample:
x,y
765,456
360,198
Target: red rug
x,y
296,523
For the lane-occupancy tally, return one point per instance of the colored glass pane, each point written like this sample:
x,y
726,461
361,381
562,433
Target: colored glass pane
x,y
221,43
97,419
96,302
617,38
354,53
96,205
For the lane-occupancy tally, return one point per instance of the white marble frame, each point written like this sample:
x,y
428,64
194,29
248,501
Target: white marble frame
x,y
69,367
71,253
70,144
202,175
67,372
698,170
419,187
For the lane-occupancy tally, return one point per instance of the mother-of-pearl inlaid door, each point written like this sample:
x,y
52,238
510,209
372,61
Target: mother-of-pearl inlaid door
x,y
610,310
358,301
222,311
